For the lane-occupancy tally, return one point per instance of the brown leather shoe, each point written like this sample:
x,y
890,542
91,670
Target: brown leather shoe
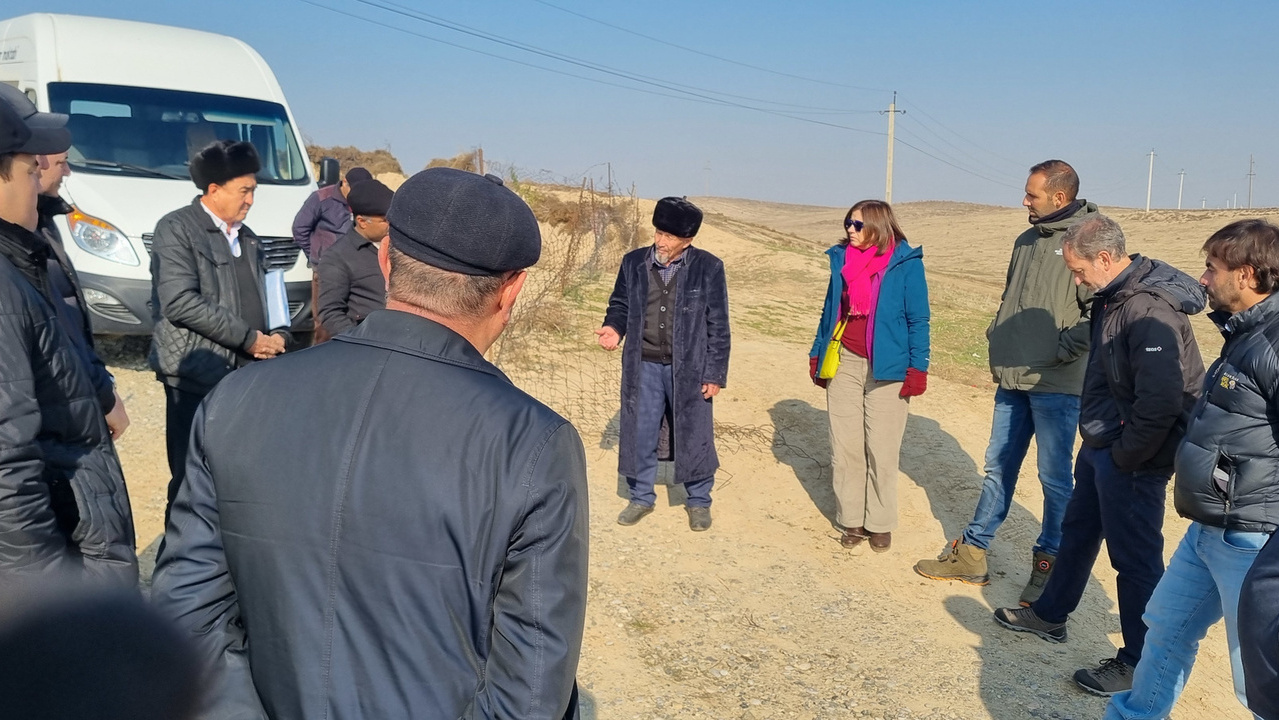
x,y
880,542
853,537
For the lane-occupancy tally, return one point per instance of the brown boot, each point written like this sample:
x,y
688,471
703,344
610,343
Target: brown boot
x,y
962,562
880,542
853,537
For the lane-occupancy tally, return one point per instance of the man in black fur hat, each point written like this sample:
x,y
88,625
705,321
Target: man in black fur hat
x,y
672,300
204,330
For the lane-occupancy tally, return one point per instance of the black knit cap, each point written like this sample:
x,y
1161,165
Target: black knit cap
x,y
13,132
369,198
677,216
222,161
464,223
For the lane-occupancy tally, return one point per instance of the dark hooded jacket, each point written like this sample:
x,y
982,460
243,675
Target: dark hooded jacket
x,y
63,502
700,343
1232,429
424,555
1144,371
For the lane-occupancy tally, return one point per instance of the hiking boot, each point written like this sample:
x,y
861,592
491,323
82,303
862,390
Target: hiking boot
x,y
1111,676
633,513
699,518
960,561
1025,620
1039,572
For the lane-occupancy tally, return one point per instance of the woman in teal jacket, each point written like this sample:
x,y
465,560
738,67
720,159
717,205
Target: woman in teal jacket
x,y
877,302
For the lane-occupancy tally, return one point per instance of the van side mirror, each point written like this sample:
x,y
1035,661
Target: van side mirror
x,y
330,172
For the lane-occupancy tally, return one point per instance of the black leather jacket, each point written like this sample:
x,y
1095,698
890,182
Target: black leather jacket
x,y
200,332
1233,428
424,556
63,502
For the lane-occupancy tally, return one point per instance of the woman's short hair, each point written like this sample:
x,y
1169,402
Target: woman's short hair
x,y
1254,243
880,228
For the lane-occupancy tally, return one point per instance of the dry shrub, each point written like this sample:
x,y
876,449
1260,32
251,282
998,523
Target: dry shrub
x,y
468,161
375,161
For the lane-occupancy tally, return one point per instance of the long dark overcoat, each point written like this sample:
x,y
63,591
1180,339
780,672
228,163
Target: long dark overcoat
x,y
700,340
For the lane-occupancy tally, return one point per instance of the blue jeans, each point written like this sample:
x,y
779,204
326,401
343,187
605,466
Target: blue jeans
x,y
1200,586
1052,419
1127,509
656,393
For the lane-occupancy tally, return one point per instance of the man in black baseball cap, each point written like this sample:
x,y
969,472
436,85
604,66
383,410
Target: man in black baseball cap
x,y
438,515
52,398
351,282
49,134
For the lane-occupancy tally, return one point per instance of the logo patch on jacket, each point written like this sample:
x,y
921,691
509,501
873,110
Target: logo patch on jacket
x,y
1228,382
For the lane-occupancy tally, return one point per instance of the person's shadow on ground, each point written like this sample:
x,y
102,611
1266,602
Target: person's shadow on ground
x,y
935,461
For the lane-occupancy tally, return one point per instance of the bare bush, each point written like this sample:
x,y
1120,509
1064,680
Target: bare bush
x,y
468,161
375,161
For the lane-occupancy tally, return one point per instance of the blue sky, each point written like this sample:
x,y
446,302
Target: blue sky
x,y
990,87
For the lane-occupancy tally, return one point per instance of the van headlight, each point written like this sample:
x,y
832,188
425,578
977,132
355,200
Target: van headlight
x,y
101,238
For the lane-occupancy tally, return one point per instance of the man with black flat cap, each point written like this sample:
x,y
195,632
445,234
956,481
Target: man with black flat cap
x,y
64,508
208,298
672,301
351,283
425,555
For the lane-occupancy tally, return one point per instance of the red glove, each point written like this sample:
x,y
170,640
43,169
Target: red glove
x,y
915,384
812,373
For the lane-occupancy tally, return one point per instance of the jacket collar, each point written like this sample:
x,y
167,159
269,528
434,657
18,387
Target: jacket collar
x,y
1054,223
415,335
48,205
1246,320
901,253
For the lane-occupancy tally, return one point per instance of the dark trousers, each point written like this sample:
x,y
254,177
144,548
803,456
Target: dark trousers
x,y
179,415
656,393
1127,510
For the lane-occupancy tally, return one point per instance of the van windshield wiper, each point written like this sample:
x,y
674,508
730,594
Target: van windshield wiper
x,y
138,169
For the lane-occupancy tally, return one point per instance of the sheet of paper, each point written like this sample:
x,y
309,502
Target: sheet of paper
x,y
277,301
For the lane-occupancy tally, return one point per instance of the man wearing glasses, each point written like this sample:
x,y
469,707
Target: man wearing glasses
x,y
1038,352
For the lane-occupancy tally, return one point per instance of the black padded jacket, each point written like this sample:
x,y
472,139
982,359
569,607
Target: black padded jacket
x,y
1144,368
1233,428
63,503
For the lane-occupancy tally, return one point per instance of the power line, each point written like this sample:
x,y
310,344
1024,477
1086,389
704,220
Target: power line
x,y
988,166
919,111
703,53
395,8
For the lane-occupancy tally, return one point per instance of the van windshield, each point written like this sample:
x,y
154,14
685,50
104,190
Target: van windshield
x,y
146,132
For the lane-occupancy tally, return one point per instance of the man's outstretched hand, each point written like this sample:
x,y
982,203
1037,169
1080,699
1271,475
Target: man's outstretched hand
x,y
608,338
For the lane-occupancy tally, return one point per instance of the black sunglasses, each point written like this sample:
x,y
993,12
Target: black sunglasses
x,y
854,224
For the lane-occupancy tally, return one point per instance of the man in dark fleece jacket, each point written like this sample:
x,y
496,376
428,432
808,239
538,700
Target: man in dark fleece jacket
x,y
1143,375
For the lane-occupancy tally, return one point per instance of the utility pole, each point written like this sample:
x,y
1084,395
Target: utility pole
x,y
1150,179
892,116
1181,185
479,158
1251,175
1203,203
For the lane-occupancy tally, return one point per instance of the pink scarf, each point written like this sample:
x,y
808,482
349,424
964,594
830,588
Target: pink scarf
x,y
863,270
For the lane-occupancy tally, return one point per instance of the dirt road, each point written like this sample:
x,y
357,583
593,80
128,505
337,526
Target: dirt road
x,y
766,616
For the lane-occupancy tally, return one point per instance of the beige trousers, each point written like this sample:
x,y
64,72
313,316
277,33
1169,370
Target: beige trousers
x,y
867,421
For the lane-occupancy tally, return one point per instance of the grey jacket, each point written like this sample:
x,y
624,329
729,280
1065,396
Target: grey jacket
x,y
423,556
1232,428
63,503
1039,338
200,334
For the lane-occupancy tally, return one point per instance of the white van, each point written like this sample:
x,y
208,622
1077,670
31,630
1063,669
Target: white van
x,y
142,99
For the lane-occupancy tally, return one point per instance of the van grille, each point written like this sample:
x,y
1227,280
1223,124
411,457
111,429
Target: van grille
x,y
280,252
